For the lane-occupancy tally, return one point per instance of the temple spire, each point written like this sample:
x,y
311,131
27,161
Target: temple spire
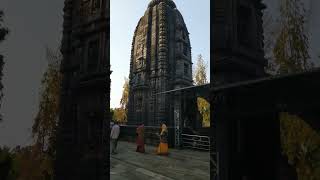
x,y
156,2
160,61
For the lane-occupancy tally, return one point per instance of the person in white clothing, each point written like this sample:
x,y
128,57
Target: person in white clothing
x,y
114,135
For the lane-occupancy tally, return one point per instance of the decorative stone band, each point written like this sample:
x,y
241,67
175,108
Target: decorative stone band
x,y
132,52
163,45
156,2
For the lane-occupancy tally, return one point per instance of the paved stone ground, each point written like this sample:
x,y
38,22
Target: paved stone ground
x,y
180,164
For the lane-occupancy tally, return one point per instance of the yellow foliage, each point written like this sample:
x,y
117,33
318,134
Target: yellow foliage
x,y
204,109
301,144
119,114
33,164
292,43
125,94
45,123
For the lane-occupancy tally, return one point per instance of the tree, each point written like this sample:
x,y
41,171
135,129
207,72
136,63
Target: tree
x,y
302,148
291,55
33,164
3,33
7,164
269,28
292,44
200,74
46,120
121,113
200,78
204,109
45,123
125,94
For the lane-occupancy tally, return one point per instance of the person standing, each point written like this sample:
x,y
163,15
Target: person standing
x,y
114,135
163,146
140,139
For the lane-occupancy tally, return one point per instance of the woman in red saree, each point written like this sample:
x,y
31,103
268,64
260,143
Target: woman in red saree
x,y
140,139
163,146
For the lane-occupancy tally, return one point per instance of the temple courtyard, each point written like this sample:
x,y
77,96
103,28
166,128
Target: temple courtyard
x,y
180,164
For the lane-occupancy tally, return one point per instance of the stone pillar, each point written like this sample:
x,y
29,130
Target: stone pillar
x,y
247,139
222,137
177,119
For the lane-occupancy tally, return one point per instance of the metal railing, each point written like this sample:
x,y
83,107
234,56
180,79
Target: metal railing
x,y
195,142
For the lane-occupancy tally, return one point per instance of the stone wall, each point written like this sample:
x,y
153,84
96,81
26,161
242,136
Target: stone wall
x,y
82,137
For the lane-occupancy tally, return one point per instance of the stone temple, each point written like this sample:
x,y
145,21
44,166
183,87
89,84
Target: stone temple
x,y
160,61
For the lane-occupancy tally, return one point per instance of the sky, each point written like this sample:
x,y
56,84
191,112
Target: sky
x,y
124,17
33,25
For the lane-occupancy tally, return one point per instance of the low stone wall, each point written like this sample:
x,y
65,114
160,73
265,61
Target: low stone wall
x,y
128,133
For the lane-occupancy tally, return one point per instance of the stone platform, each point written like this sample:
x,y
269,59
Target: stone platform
x,y
180,164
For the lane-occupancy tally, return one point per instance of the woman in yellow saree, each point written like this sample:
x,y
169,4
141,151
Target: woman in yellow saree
x,y
163,146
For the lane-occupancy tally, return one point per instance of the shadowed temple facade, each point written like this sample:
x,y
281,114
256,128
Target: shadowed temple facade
x,y
160,61
238,41
82,134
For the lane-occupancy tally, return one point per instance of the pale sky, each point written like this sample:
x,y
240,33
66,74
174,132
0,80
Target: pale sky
x,y
33,24
125,15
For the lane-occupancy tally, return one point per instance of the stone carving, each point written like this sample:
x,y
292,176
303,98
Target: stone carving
x,y
238,42
156,59
82,134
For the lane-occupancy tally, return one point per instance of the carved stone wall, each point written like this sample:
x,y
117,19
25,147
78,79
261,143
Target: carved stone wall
x,y
160,61
83,133
238,40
